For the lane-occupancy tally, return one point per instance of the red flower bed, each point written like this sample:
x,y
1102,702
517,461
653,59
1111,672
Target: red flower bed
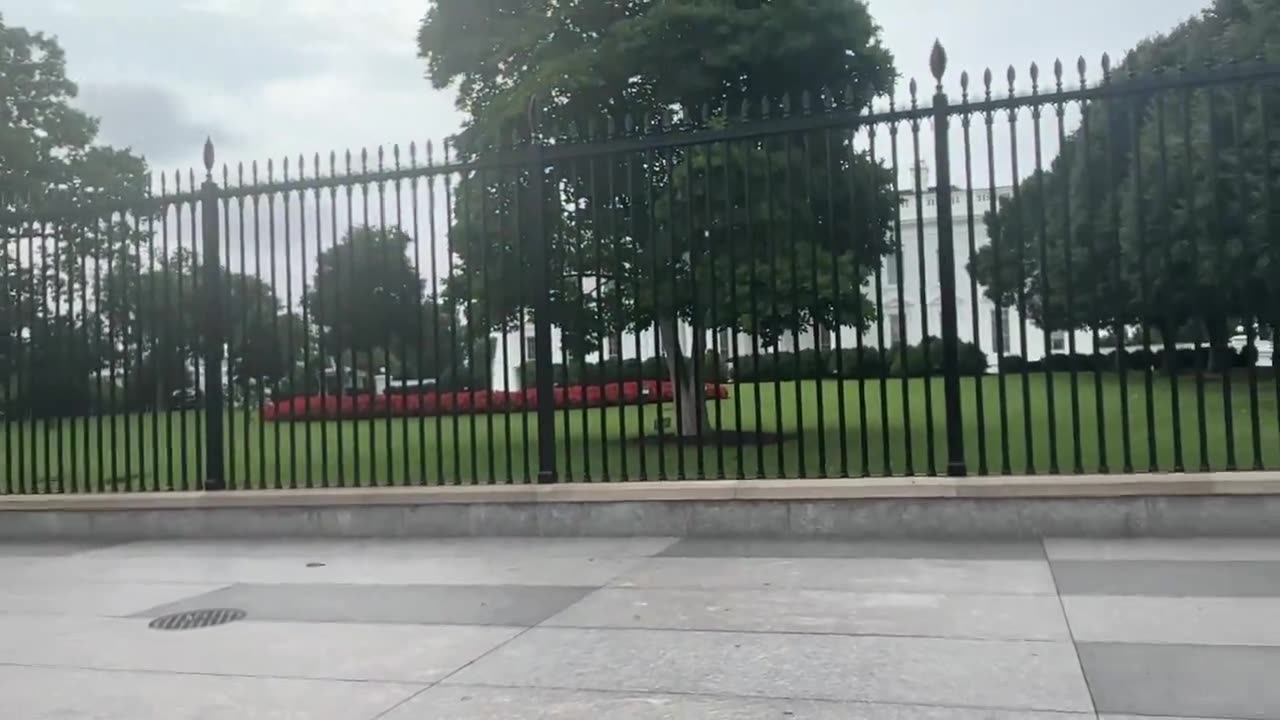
x,y
479,402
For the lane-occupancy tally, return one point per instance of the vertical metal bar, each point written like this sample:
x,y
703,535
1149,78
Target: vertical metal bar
x,y
353,350
276,443
1091,228
1019,238
1068,241
597,229
900,342
168,335
406,475
1144,287
730,243
245,390
753,263
794,215
641,247
1251,330
215,471
947,275
1113,180
698,326
881,349
198,338
506,229
100,329
438,308
312,422
1220,261
419,333
321,340
613,328
580,355
286,322
771,251
154,332
652,240
1193,186
43,334
338,347
1269,213
713,248
1046,301
818,382
671,268
229,410
478,372
922,255
979,396
838,321
1166,230
455,363
388,341
1001,311
539,241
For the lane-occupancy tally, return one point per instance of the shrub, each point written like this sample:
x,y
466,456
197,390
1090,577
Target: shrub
x,y
926,359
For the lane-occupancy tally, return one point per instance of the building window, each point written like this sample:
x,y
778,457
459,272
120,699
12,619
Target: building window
x,y
1000,329
824,339
891,270
615,346
1058,342
893,322
530,348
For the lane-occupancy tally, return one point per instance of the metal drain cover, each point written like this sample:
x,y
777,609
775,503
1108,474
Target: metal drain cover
x,y
195,619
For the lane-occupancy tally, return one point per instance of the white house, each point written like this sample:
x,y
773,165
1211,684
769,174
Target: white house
x,y
920,305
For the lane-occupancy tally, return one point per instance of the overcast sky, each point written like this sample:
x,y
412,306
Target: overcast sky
x,y
283,77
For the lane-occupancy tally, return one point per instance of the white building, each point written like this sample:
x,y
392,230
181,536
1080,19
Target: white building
x,y
920,310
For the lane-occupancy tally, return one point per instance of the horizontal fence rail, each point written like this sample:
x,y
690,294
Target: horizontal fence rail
x,y
1075,278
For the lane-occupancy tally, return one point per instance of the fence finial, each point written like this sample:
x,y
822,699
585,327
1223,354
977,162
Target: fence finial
x,y
208,156
938,62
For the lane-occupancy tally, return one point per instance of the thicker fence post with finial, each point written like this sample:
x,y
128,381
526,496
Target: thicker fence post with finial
x,y
543,368
947,270
214,335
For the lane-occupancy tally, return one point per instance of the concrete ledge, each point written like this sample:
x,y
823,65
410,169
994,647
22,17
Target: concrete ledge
x,y
989,507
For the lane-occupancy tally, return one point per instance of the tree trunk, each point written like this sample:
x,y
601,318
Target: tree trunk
x,y
690,400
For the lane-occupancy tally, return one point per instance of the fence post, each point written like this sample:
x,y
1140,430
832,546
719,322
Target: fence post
x,y
544,378
215,472
947,270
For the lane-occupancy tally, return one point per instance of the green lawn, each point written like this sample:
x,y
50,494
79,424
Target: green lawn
x,y
152,451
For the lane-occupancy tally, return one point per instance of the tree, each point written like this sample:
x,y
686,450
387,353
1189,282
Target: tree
x,y
54,181
1167,200
633,244
369,300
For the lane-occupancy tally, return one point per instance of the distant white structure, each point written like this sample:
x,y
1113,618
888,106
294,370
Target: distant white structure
x,y
920,307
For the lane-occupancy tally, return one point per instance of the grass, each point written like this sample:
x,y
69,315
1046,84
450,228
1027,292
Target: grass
x,y
164,451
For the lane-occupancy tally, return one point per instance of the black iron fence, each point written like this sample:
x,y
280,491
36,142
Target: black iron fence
x,y
1079,278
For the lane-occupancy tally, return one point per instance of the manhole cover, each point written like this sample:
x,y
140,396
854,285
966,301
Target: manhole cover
x,y
196,619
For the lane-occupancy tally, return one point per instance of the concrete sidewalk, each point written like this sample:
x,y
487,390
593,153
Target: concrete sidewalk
x,y
644,628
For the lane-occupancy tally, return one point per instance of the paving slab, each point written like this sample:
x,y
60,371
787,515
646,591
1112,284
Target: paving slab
x,y
1165,578
47,549
332,651
67,597
1010,577
463,702
1182,620
41,693
1183,680
1001,617
402,570
926,671
508,605
1256,549
713,548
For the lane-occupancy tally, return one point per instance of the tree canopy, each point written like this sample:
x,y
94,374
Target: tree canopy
x,y
646,239
1166,195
